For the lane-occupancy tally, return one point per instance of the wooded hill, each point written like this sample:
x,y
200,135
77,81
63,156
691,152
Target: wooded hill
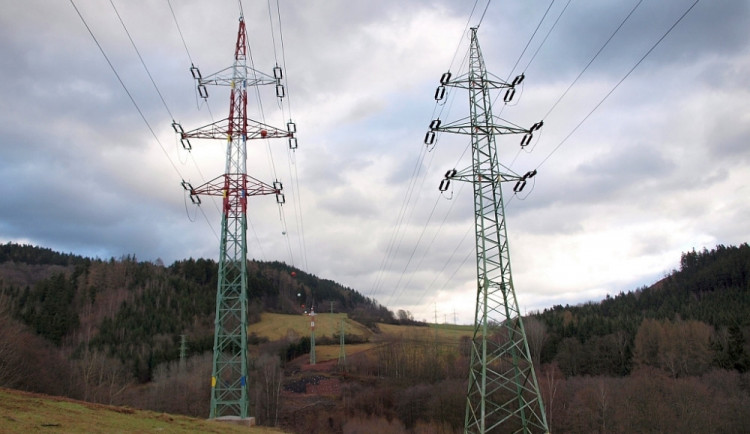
x,y
136,311
701,311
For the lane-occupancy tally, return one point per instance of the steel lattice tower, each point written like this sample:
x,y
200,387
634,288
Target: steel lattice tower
x,y
229,380
312,336
503,393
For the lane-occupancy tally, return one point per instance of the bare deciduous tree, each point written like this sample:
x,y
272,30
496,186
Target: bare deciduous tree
x,y
268,379
536,334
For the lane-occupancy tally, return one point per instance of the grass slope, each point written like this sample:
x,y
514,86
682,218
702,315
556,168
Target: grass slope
x,y
22,412
276,326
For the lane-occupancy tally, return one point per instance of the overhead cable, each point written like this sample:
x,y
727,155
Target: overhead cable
x,y
593,58
619,82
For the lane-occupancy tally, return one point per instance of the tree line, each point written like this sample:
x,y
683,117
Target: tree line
x,y
705,305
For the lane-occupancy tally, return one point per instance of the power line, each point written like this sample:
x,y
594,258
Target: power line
x,y
141,59
190,58
445,265
130,96
184,44
619,82
468,23
483,13
297,201
593,58
161,96
208,107
397,235
414,250
530,39
399,219
547,35
432,241
125,88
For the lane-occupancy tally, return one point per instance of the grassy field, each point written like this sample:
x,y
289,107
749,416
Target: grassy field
x,y
22,412
275,326
447,333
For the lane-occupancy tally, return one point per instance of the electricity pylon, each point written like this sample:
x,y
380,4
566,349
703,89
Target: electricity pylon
x,y
312,335
229,380
503,393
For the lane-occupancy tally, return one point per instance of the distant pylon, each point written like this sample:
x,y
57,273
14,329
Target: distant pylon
x,y
503,393
312,336
229,379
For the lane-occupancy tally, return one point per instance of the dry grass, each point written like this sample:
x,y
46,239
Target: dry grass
x,y
22,412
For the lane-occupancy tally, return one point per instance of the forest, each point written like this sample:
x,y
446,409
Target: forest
x,y
672,357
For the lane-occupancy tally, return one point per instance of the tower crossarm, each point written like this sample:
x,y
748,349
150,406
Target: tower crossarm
x,y
468,175
485,82
478,177
465,81
221,130
464,126
235,189
235,184
226,77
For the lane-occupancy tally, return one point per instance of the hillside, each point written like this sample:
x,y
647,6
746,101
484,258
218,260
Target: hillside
x,y
24,412
711,291
136,312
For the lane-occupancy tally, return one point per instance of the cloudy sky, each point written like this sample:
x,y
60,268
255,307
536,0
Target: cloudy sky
x,y
660,167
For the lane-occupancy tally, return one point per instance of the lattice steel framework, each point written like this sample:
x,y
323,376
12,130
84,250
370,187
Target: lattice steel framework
x,y
503,393
229,380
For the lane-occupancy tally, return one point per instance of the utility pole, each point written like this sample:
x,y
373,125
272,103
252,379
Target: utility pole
x,y
229,394
312,335
503,392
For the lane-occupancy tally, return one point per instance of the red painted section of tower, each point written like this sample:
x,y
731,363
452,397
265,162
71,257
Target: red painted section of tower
x,y
239,49
235,187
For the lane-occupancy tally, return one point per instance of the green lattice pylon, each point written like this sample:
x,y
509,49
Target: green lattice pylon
x,y
229,379
503,393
